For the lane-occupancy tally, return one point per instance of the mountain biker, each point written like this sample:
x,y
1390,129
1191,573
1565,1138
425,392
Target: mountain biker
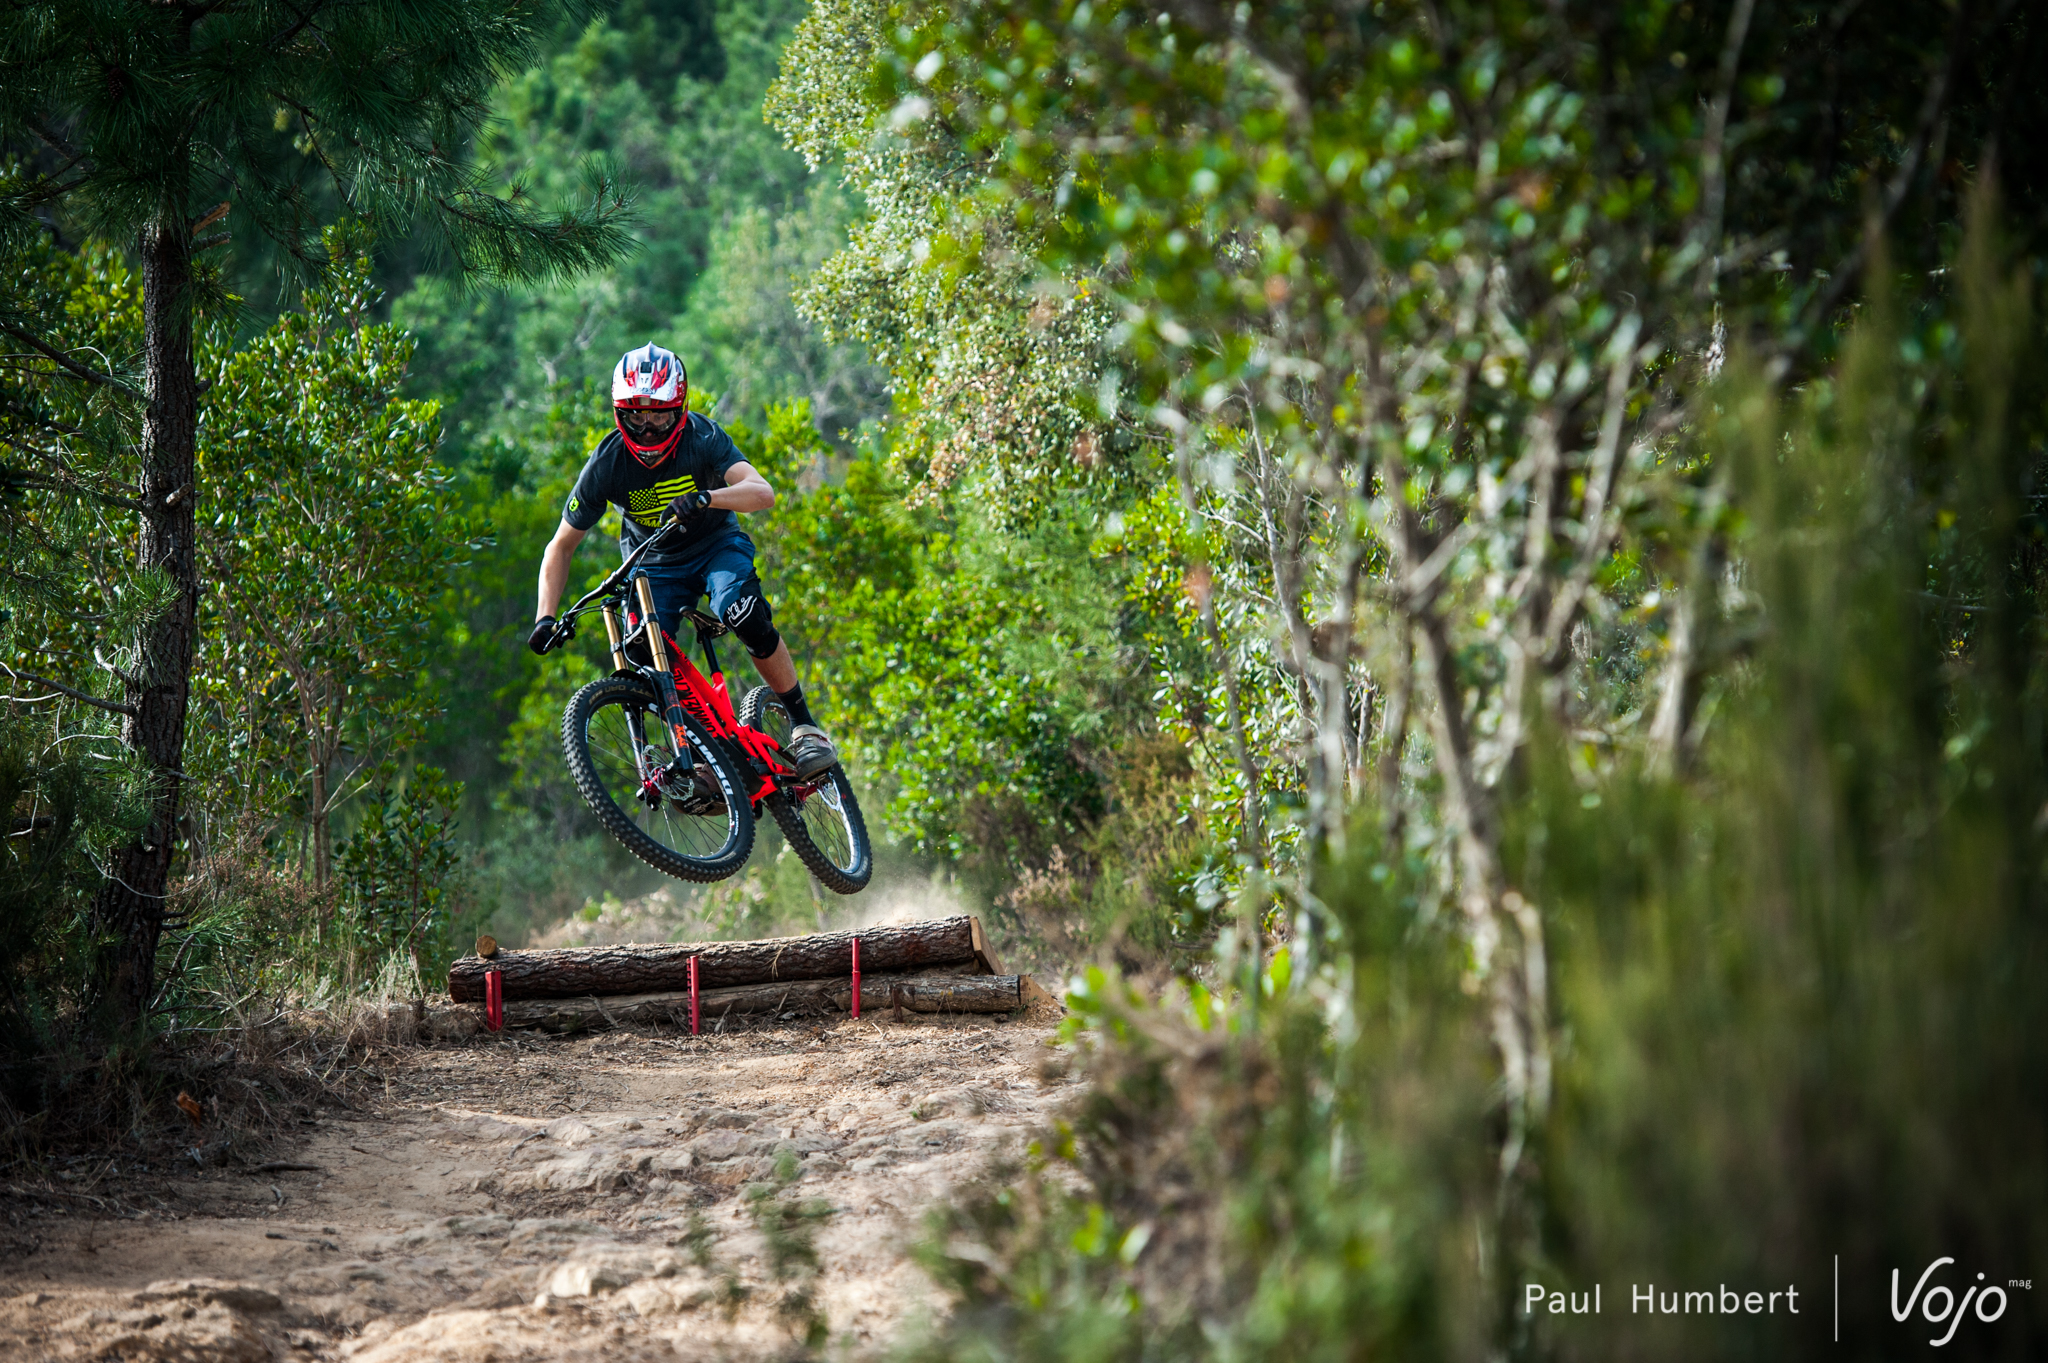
x,y
664,460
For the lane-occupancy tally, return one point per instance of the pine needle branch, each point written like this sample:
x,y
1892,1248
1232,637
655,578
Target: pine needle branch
x,y
60,688
72,366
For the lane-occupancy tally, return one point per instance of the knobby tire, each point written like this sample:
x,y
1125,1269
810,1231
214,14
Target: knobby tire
x,y
823,827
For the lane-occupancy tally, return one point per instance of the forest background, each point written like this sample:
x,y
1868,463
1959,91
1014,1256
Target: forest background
x,y
1480,566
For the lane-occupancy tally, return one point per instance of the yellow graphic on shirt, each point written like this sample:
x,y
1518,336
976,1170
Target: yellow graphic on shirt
x,y
646,505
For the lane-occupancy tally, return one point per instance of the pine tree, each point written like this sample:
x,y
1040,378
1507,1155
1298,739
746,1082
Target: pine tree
x,y
179,127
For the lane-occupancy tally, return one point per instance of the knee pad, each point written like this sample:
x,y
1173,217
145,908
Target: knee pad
x,y
749,616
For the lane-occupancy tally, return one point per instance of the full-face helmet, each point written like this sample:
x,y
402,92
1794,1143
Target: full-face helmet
x,y
650,402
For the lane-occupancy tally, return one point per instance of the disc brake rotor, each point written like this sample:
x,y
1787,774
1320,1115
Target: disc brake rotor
x,y
691,786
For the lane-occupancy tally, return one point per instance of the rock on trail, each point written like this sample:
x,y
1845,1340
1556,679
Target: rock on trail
x,y
536,1198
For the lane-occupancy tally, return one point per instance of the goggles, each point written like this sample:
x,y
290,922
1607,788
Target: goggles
x,y
648,424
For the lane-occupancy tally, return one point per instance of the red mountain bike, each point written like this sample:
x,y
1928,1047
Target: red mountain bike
x,y
674,773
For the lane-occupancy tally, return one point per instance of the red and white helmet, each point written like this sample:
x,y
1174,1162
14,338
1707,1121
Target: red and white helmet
x,y
650,397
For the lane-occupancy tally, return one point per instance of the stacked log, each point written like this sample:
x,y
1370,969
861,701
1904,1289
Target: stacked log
x,y
803,998
940,965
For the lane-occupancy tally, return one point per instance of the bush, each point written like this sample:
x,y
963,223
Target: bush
x,y
1794,992
405,872
67,795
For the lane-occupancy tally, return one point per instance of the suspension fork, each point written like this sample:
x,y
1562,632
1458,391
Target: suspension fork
x,y
614,631
665,693
636,720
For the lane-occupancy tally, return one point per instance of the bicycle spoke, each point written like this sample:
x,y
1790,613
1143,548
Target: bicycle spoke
x,y
612,749
824,818
819,808
682,818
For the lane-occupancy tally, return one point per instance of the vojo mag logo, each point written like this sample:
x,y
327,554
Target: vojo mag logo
x,y
1934,1301
1983,1302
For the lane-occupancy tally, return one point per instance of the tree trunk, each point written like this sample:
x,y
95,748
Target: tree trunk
x,y
664,967
878,994
323,851
1672,735
1394,738
130,904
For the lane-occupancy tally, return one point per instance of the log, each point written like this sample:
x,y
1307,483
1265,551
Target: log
x,y
933,993
654,968
916,993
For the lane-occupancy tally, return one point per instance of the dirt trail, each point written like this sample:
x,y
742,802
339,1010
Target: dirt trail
x,y
530,1198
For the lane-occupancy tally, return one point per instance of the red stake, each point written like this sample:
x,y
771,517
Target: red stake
x,y
494,1000
693,996
856,977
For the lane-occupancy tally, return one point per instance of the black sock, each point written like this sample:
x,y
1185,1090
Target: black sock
x,y
793,701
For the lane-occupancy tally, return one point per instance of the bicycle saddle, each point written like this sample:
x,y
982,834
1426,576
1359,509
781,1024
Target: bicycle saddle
x,y
708,625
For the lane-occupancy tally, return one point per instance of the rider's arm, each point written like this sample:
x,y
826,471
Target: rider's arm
x,y
745,490
554,567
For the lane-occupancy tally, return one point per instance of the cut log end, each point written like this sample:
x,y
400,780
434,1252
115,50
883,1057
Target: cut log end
x,y
983,956
486,947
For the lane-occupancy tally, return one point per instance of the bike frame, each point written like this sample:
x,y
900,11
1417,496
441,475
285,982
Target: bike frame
x,y
677,683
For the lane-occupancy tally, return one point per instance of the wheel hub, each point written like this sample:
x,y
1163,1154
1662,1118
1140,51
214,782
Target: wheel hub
x,y
689,785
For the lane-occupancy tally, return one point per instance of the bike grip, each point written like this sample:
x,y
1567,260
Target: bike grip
x,y
543,636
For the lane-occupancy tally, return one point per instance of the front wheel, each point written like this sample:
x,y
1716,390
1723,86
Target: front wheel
x,y
686,817
820,817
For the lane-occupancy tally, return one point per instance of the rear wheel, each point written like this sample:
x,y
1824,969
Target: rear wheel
x,y
820,817
686,818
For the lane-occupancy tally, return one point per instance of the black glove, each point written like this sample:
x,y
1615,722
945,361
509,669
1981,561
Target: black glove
x,y
688,505
543,637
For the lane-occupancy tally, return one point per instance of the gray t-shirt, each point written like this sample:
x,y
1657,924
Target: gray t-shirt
x,y
614,477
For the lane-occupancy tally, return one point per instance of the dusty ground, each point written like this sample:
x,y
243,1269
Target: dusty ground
x,y
533,1198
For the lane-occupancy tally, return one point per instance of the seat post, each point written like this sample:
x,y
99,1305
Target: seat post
x,y
710,658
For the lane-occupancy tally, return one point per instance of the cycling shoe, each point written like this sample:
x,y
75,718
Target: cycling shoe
x,y
810,752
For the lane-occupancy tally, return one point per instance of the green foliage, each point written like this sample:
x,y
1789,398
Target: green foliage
x,y
481,668
988,372
1416,300
248,926
983,682
66,791
842,536
123,114
747,341
682,119
403,870
975,668
1236,1184
1429,313
136,123
1797,984
1823,963
64,484
532,747
729,219
332,536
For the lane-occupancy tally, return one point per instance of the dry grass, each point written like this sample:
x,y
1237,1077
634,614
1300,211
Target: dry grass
x,y
247,1077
